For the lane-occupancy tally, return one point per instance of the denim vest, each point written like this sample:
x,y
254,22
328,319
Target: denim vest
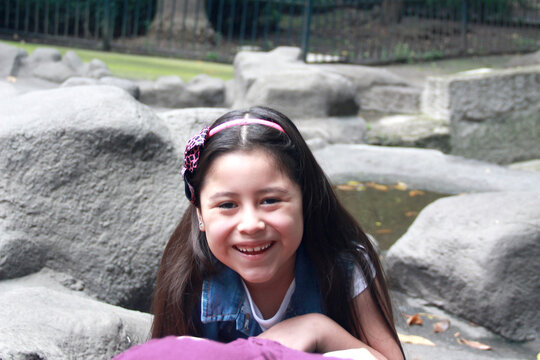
x,y
225,311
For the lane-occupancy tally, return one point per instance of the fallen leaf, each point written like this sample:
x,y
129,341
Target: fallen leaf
x,y
413,319
415,339
11,79
378,223
353,183
383,231
441,326
474,344
376,186
414,193
411,213
346,187
538,356
400,186
360,187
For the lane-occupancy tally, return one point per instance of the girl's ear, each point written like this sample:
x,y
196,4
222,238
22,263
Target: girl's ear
x,y
199,217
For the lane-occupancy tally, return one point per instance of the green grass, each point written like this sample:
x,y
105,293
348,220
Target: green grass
x,y
143,67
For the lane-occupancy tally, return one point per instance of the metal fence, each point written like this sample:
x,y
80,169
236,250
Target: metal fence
x,y
356,31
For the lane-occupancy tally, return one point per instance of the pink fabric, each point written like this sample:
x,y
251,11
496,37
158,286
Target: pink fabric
x,y
244,121
186,348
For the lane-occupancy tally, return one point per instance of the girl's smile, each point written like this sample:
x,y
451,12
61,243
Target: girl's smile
x,y
251,212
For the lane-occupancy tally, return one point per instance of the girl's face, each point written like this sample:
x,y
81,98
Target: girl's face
x,y
252,215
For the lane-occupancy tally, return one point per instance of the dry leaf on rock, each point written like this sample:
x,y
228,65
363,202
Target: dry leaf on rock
x,y
414,193
415,339
400,186
474,344
441,326
346,187
376,186
413,319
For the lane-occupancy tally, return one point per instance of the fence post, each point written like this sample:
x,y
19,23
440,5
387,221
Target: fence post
x,y
308,10
106,32
464,21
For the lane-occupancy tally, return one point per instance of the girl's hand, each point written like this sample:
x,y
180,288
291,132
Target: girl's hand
x,y
317,333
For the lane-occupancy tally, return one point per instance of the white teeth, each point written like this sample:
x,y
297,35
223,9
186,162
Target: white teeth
x,y
255,249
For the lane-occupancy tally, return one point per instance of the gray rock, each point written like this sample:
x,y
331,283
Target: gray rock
x,y
399,99
10,60
421,169
205,91
411,131
96,69
230,93
52,324
477,256
185,123
91,175
164,92
494,115
343,130
304,94
57,72
79,81
44,55
531,165
7,90
20,255
128,85
524,60
74,62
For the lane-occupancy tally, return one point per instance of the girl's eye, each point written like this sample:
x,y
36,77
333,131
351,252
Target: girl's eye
x,y
227,205
270,201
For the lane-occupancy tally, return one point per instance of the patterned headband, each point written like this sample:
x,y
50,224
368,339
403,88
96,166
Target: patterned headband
x,y
196,144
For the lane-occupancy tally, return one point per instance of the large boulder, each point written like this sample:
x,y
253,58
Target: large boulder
x,y
423,169
493,115
332,130
477,256
205,91
164,92
91,177
524,60
281,80
390,98
11,58
42,322
185,123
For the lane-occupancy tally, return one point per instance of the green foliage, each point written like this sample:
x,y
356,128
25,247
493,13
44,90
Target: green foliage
x,y
245,18
79,17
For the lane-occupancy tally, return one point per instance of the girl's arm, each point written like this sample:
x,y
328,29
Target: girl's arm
x,y
319,333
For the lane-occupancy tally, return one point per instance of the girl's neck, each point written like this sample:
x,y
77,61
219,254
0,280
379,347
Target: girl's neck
x,y
269,296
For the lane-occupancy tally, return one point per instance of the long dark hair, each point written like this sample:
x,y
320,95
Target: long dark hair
x,y
330,233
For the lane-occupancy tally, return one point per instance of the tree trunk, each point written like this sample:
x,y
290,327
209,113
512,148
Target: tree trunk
x,y
182,19
391,11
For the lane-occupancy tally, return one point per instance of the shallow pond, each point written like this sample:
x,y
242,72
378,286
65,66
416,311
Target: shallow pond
x,y
384,211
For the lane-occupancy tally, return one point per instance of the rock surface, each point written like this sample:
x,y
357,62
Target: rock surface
x,y
54,323
502,125
410,130
396,99
90,176
477,256
421,169
10,60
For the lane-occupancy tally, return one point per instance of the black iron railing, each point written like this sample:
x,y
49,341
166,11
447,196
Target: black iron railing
x,y
356,31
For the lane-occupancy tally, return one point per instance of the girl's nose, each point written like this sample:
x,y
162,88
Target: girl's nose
x,y
250,222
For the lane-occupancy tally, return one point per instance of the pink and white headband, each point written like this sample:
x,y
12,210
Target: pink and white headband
x,y
196,144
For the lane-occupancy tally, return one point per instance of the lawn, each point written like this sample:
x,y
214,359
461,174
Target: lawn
x,y
143,67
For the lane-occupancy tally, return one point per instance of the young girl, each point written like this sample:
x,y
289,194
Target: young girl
x,y
265,249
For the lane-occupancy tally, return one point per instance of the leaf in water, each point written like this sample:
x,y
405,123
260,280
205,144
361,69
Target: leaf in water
x,y
414,193
376,186
413,319
383,231
411,213
360,187
353,183
441,326
415,339
400,186
474,344
378,223
538,356
346,187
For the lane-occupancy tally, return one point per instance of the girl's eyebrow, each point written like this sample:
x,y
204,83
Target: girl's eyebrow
x,y
277,189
